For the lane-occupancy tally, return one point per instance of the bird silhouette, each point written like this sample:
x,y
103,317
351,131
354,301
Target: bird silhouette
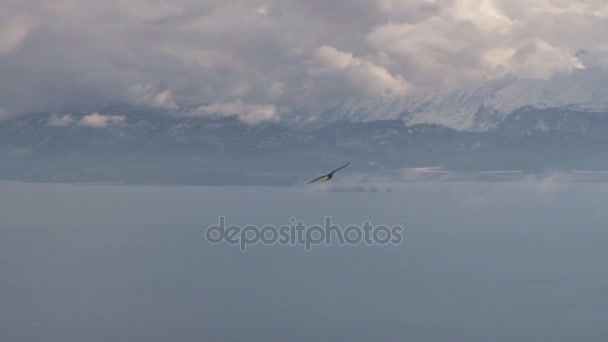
x,y
329,175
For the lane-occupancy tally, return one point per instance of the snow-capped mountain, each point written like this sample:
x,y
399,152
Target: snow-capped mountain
x,y
472,109
160,148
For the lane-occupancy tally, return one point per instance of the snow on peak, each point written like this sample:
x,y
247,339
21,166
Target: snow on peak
x,y
475,108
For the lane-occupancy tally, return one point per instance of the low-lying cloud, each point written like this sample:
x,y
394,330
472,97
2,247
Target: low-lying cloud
x,y
249,114
93,120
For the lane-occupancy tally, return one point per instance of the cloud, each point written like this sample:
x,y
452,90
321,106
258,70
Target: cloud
x,y
262,11
4,114
96,120
468,40
357,74
276,90
147,95
67,54
93,120
61,121
536,59
249,114
14,28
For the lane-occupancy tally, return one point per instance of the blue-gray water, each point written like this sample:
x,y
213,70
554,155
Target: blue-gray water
x,y
480,261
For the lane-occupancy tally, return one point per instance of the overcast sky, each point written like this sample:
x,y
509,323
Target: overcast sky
x,y
251,55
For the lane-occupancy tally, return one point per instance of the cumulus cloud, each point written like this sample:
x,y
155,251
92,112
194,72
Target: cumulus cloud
x,y
93,120
357,74
96,120
467,40
147,95
535,59
249,114
65,54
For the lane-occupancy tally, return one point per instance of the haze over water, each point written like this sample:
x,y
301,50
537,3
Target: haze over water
x,y
479,261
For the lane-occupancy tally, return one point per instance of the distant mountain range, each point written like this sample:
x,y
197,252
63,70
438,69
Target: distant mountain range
x,y
479,108
530,125
153,147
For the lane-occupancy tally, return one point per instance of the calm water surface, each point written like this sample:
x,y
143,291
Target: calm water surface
x,y
479,262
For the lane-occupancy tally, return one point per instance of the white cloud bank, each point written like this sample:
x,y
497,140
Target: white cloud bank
x,y
96,120
249,114
159,53
93,120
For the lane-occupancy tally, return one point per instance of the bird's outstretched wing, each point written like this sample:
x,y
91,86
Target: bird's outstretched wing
x,y
338,169
329,175
316,179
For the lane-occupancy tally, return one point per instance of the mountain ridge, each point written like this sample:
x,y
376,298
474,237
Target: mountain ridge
x,y
479,108
161,148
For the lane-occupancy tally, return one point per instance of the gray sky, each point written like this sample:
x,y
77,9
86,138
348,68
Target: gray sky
x,y
250,56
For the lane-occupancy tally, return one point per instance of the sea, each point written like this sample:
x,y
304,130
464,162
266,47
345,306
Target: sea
x,y
478,261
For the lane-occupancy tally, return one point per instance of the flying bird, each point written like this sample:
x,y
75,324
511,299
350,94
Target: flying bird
x,y
329,175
